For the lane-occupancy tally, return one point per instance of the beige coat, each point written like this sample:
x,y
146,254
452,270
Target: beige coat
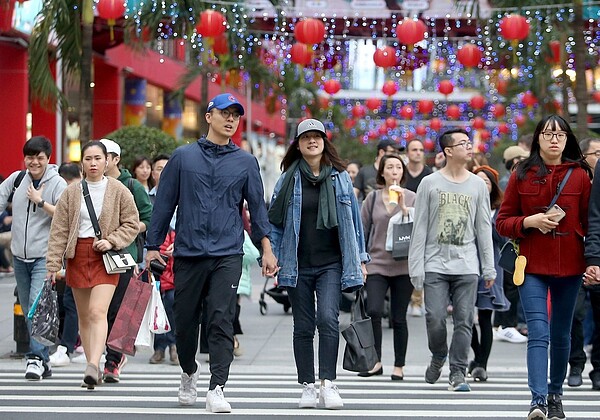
x,y
119,221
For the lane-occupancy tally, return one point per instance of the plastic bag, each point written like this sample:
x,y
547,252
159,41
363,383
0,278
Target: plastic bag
x,y
158,323
45,321
145,338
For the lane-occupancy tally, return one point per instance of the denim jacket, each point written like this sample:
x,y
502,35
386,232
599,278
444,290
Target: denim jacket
x,y
352,241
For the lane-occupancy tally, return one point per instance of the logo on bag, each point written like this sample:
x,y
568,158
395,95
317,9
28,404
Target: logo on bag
x,y
404,238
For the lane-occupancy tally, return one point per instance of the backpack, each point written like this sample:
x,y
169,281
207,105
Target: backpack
x,y
16,184
140,239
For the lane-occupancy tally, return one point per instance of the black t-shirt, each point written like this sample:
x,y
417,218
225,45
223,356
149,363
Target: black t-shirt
x,y
411,183
315,247
365,181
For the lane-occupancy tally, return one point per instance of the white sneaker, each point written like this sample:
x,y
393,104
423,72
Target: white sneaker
x,y
80,358
329,396
34,370
309,396
415,310
510,334
187,388
60,357
215,401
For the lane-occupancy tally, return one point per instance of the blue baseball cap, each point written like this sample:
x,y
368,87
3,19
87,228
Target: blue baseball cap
x,y
224,100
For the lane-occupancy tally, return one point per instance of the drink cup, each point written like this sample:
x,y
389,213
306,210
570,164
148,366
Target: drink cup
x,y
393,196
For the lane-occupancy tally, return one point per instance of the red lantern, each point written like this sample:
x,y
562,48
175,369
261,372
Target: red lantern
x,y
478,123
421,130
453,111
372,135
429,145
301,54
425,106
216,78
211,24
445,87
529,100
383,129
329,135
373,103
310,31
407,112
498,110
358,111
385,57
502,86
554,57
514,27
110,10
389,88
332,86
596,96
220,45
485,135
408,136
503,128
481,147
477,102
349,123
411,31
520,120
323,102
469,55
435,124
391,123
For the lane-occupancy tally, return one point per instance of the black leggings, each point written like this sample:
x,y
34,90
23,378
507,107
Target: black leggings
x,y
482,349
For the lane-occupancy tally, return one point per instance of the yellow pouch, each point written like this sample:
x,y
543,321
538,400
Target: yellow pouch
x,y
519,274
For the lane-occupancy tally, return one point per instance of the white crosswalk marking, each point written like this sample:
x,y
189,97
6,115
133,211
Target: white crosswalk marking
x,y
275,395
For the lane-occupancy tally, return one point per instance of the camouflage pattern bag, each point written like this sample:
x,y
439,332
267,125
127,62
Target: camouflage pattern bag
x,y
45,321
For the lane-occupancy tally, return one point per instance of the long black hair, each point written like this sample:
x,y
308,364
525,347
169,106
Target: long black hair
x,y
571,153
330,155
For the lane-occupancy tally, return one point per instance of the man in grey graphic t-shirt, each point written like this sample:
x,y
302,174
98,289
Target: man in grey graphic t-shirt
x,y
451,240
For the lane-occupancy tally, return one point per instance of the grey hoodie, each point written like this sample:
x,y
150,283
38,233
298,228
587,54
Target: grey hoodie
x,y
31,225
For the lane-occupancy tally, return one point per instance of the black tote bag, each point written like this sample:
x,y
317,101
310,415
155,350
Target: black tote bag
x,y
360,354
402,234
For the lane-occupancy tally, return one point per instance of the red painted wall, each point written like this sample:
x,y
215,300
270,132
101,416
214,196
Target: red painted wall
x,y
108,98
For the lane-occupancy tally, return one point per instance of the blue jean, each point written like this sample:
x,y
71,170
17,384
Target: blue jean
x,y
325,282
162,341
460,291
544,331
71,322
30,279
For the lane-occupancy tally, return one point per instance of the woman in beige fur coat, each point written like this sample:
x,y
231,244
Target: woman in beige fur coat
x,y
72,238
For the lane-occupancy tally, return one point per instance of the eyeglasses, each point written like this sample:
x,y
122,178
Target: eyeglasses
x,y
464,143
225,113
548,135
596,153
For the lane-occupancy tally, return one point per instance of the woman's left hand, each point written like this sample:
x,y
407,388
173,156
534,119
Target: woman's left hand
x,y
488,283
363,267
102,245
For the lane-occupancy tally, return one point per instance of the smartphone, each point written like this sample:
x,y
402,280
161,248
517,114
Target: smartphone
x,y
558,215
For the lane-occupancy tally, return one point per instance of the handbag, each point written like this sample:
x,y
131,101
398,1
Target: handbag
x,y
359,354
129,318
115,262
158,322
45,321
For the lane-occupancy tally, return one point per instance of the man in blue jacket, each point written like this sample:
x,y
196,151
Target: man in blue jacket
x,y
208,182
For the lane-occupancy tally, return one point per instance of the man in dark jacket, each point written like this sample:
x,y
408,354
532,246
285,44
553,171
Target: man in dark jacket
x,y
208,182
592,273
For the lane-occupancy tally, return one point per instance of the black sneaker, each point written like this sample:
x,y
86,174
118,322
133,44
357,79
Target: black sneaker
x,y
555,410
575,378
479,374
47,371
434,370
458,383
595,377
537,412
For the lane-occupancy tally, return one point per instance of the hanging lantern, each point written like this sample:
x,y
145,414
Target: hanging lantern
x,y
435,124
529,100
503,128
383,129
478,123
429,145
485,134
410,31
502,86
323,102
385,57
358,111
477,102
445,87
520,120
554,57
596,96
407,112
301,54
373,103
391,123
408,136
111,10
211,24
425,106
389,88
220,45
332,86
498,110
453,111
469,55
310,31
349,123
514,27
421,130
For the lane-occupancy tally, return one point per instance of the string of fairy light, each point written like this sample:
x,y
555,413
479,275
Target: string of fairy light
x,y
438,51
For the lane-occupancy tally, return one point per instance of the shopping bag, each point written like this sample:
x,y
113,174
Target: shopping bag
x,y
129,318
144,339
359,354
158,321
399,233
508,256
117,262
45,320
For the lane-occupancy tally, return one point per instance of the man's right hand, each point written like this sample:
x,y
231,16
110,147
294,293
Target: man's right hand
x,y
154,255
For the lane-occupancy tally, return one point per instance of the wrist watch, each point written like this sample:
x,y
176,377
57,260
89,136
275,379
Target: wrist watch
x,y
41,204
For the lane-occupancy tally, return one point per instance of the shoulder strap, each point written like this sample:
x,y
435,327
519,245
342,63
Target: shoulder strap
x,y
560,187
90,207
130,185
16,184
370,227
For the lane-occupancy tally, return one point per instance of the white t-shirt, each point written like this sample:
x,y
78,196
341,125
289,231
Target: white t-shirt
x,y
97,190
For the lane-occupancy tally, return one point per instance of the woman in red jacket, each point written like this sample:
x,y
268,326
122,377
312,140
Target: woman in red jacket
x,y
555,260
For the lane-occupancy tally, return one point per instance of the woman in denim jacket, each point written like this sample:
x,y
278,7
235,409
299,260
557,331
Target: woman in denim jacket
x,y
317,236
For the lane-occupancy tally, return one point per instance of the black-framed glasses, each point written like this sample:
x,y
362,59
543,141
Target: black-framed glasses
x,y
466,144
596,153
548,135
225,113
